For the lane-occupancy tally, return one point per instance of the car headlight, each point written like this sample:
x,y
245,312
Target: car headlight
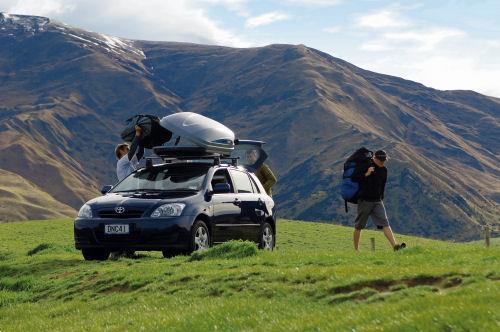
x,y
168,210
85,211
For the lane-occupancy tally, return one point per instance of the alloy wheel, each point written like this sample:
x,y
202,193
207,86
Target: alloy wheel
x,y
201,239
268,238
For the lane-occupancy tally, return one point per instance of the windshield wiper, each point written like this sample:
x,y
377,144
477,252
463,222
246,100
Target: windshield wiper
x,y
146,191
181,190
139,191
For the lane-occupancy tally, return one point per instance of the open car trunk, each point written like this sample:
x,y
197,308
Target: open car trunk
x,y
250,154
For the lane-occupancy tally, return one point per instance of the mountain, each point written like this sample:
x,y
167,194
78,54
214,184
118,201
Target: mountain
x,y
65,92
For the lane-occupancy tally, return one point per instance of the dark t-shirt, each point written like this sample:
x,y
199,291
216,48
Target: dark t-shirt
x,y
371,188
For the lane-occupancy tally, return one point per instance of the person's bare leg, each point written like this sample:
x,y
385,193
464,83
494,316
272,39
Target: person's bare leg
x,y
357,234
389,235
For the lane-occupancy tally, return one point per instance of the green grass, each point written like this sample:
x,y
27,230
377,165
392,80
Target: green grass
x,y
312,281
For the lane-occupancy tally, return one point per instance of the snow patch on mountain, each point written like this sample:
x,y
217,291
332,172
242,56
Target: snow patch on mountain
x,y
81,39
119,45
24,23
14,24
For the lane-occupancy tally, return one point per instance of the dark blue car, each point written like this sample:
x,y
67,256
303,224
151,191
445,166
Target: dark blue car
x,y
177,207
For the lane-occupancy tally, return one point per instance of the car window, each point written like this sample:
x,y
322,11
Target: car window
x,y
242,182
254,185
168,178
222,176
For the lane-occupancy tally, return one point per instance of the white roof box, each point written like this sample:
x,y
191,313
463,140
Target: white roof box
x,y
201,131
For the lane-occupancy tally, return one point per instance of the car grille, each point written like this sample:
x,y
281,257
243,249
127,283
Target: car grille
x,y
127,214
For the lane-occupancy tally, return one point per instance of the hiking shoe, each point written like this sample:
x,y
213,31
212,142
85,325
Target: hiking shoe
x,y
399,246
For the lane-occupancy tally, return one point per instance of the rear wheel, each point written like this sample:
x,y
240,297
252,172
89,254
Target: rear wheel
x,y
95,254
267,240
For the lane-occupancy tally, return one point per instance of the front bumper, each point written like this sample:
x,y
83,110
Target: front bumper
x,y
144,234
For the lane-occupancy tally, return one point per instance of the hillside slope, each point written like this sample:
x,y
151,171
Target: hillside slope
x,y
64,93
312,281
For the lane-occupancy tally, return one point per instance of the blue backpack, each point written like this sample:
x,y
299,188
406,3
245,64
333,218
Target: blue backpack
x,y
349,188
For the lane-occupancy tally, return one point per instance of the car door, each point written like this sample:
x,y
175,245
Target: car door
x,y
226,209
247,226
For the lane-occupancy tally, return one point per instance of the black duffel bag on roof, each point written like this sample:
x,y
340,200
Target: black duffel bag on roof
x,y
153,134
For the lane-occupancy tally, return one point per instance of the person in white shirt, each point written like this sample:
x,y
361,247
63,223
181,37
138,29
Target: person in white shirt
x,y
128,157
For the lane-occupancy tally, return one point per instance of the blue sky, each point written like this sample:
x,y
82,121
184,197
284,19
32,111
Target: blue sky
x,y
442,44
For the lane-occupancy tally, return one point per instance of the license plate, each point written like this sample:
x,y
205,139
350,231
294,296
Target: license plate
x,y
116,229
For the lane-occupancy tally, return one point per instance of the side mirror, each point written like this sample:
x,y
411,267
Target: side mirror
x,y
105,189
222,188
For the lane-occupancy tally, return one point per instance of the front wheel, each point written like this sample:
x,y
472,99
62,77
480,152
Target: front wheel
x,y
95,254
267,240
200,236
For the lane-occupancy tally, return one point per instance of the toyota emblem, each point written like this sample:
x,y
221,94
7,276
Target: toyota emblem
x,y
119,209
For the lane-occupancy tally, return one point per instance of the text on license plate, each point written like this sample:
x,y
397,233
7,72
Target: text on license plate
x,y
116,229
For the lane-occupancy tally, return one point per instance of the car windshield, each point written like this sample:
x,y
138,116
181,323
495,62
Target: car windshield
x,y
175,177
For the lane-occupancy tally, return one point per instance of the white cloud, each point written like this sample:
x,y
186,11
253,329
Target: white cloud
x,y
386,18
237,6
417,40
461,72
266,19
41,7
438,56
332,29
180,20
426,39
445,72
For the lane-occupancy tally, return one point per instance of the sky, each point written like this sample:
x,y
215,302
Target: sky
x,y
452,44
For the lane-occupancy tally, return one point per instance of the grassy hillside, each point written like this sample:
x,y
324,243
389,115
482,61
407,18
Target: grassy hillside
x,y
313,281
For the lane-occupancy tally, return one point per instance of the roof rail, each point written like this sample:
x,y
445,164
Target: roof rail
x,y
217,158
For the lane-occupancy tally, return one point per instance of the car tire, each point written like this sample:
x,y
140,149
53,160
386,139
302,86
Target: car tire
x,y
267,240
95,254
200,237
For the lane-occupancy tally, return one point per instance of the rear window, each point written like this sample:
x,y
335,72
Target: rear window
x,y
242,182
176,177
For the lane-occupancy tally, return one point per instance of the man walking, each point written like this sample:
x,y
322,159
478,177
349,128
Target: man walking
x,y
370,199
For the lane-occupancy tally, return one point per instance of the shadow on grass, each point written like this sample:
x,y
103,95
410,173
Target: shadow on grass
x,y
227,250
378,288
38,268
44,248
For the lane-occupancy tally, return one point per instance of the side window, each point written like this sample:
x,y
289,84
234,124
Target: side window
x,y
242,182
222,176
254,185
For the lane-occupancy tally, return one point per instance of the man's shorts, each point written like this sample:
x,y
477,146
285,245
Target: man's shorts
x,y
376,210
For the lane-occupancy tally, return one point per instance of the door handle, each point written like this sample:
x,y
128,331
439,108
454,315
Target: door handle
x,y
237,202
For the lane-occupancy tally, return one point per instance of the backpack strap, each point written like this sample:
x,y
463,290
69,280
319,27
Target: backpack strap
x,y
346,209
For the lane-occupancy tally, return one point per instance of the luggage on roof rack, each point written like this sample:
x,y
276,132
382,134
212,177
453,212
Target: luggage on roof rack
x,y
203,132
153,133
208,138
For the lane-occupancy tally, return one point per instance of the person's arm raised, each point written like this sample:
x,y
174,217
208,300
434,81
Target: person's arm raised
x,y
135,144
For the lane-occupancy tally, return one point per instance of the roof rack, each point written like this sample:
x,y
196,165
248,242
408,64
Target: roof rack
x,y
169,154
